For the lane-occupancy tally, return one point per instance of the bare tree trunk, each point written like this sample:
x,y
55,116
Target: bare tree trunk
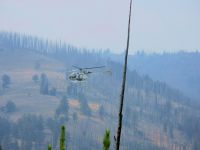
x,y
123,85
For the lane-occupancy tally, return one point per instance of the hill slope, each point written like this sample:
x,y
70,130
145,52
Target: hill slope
x,y
180,70
156,116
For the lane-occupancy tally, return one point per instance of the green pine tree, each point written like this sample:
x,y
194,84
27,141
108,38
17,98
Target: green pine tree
x,y
49,147
106,140
62,138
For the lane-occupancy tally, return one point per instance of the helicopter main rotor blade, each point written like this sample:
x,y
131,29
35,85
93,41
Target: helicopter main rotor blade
x,y
105,71
77,67
88,67
94,67
72,70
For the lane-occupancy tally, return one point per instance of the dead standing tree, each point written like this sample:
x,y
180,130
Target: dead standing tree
x,y
123,85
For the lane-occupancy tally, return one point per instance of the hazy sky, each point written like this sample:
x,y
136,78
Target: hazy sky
x,y
157,25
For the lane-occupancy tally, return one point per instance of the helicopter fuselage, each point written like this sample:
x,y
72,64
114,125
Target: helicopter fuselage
x,y
78,76
81,74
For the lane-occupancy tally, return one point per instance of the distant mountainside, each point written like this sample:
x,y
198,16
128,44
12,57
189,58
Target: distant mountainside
x,y
180,70
156,115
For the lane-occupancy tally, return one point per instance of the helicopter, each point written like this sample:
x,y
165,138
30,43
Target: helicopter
x,y
81,74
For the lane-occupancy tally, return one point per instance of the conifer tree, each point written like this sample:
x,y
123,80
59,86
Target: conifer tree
x,y
5,81
44,85
49,147
62,138
63,108
106,140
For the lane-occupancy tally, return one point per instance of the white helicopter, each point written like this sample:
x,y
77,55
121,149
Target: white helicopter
x,y
81,74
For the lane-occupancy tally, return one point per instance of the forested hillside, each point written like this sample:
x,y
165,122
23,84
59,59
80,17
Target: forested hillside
x,y
36,98
180,70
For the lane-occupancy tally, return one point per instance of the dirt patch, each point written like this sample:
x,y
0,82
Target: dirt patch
x,y
94,106
74,103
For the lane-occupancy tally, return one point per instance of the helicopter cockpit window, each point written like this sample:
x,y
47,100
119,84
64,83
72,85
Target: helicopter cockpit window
x,y
73,75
